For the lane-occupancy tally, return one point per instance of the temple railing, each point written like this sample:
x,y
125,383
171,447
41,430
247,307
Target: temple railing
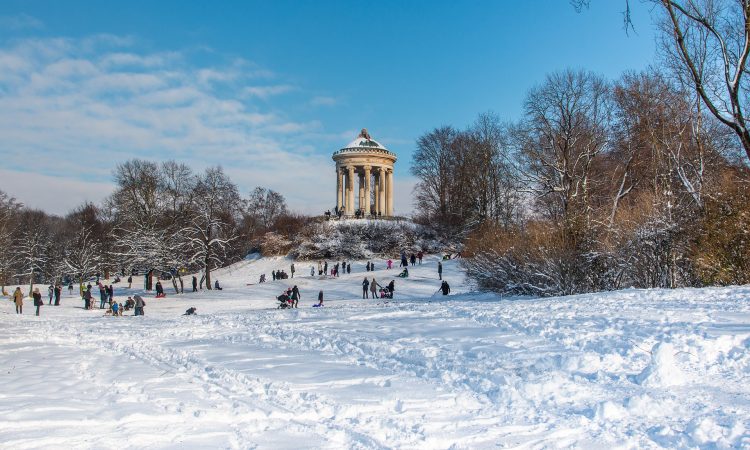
x,y
364,150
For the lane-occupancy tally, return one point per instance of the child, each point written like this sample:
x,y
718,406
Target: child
x,y
320,300
115,308
119,310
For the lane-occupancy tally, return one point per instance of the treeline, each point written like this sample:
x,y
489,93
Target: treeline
x,y
601,185
162,217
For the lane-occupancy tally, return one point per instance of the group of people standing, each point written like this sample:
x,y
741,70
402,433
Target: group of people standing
x,y
374,288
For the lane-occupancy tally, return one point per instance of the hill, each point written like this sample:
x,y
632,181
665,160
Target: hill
x,y
633,368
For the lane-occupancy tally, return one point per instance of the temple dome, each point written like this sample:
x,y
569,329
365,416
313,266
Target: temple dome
x,y
364,142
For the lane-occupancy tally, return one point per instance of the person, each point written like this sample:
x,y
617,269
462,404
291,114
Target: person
x,y
292,270
102,296
195,284
312,271
159,289
419,257
273,275
130,281
389,264
58,293
70,288
374,288
216,286
367,266
190,311
320,300
119,309
18,300
129,304
392,287
283,300
38,302
139,304
365,286
325,268
50,293
403,260
405,273
115,308
343,266
320,268
87,298
440,270
111,293
295,296
348,268
413,259
445,288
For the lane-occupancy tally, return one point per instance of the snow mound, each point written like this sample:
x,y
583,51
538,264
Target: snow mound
x,y
663,370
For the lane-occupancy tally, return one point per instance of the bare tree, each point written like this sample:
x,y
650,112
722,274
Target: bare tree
x,y
710,44
433,164
564,132
264,207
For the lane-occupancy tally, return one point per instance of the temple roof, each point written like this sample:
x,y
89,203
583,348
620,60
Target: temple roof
x,y
364,141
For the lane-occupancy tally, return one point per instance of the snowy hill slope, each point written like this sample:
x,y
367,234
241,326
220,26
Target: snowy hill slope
x,y
635,368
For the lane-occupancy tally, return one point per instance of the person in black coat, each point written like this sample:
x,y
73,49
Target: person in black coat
x,y
195,284
392,287
38,302
365,287
295,296
445,288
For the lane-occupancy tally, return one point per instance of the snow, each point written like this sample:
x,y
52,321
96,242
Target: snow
x,y
626,369
362,143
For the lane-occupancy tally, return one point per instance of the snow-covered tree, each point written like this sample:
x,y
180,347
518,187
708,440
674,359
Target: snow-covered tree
x,y
9,209
31,245
83,253
211,220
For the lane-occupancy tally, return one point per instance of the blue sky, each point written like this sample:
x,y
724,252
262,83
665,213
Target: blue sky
x,y
269,89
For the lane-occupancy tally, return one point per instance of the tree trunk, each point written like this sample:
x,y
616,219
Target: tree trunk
x,y
31,283
207,271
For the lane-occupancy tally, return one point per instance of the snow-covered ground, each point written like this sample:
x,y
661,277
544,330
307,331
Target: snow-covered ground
x,y
629,369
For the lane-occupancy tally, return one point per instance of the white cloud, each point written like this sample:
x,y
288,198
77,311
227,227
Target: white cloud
x,y
70,109
265,92
20,22
322,100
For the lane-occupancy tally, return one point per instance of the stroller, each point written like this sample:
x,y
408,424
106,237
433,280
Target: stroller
x,y
283,301
386,293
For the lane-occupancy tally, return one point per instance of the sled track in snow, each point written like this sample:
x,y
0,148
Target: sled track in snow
x,y
239,392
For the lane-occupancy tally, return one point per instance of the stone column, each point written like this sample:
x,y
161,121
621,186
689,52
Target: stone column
x,y
339,187
381,192
361,196
377,190
389,193
350,193
367,207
